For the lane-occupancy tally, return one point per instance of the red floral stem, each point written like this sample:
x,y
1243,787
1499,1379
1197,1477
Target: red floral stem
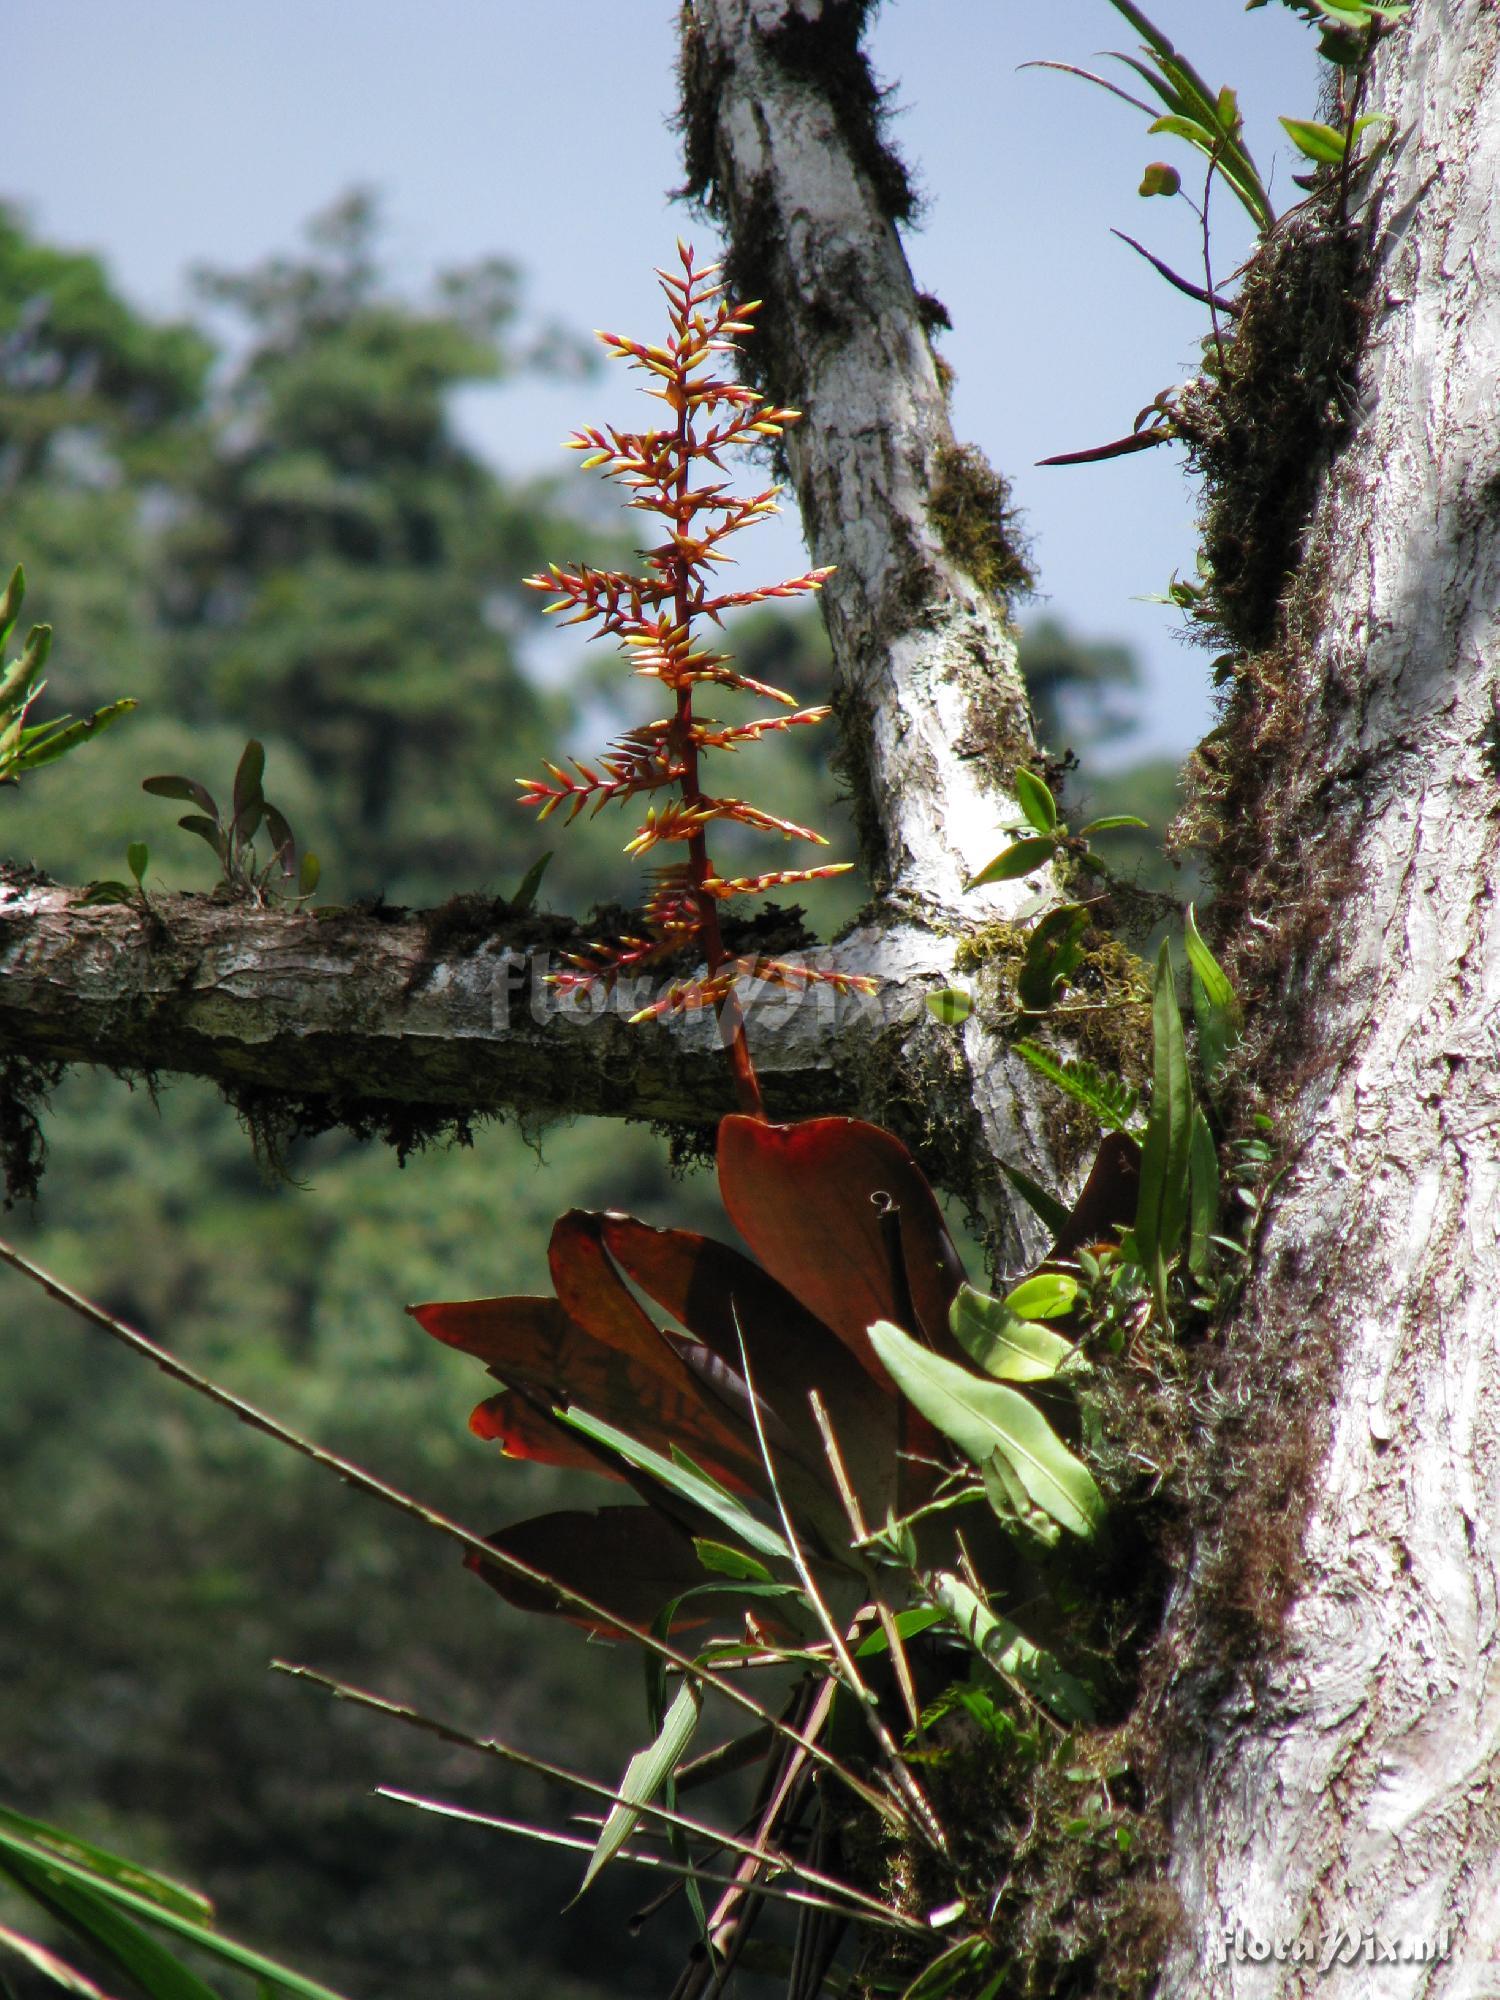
x,y
729,1013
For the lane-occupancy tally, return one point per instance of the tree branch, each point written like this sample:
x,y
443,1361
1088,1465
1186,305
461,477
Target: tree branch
x,y
783,141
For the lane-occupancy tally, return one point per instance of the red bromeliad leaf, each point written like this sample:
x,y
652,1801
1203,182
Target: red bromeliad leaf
x,y
807,1198
523,1431
534,1344
1108,1200
720,1296
630,1560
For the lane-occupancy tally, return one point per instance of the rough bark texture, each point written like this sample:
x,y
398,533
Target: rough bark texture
x,y
445,1011
1353,1788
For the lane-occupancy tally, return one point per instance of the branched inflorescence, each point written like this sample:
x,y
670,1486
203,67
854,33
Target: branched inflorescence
x,y
656,615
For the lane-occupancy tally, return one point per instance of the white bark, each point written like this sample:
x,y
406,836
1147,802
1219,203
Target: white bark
x,y
920,650
1358,1788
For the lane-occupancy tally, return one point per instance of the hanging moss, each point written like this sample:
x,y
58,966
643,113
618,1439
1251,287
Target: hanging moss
x,y
969,504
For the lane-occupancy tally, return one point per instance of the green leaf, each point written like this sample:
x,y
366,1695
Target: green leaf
x,y
1052,1212
1110,1098
1035,799
283,841
1020,858
111,1867
106,892
206,829
144,1959
1162,1209
1048,1295
1008,1652
725,1561
984,1417
1011,1504
49,1965
952,1006
530,883
1006,1346
174,787
1216,1007
55,739
908,1625
951,1972
690,1485
1321,143
1110,822
308,873
1053,951
247,779
1203,1193
645,1774
133,1897
137,854
11,602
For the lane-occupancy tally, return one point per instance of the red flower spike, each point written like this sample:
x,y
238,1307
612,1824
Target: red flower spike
x,y
665,473
804,1197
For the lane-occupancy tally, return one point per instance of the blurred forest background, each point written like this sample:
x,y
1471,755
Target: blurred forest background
x,y
265,523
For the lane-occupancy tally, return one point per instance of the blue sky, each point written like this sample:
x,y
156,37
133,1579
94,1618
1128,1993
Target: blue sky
x,y
165,132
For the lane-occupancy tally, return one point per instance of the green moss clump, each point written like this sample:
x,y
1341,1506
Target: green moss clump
x,y
969,505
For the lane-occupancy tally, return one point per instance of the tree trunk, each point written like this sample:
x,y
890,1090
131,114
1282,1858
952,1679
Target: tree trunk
x,y
1351,1787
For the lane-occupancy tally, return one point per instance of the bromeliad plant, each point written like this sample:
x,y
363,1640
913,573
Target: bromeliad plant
x,y
805,1430
658,616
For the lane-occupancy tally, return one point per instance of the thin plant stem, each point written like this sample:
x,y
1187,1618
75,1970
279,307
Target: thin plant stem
x,y
490,1746
910,1790
549,1837
429,1517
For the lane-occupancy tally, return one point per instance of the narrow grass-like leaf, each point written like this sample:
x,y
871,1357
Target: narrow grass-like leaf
x,y
1005,1346
20,1853
49,1965
1052,1212
1203,1202
1161,1212
692,1486
983,1417
530,883
645,1774
1216,1007
131,1949
99,1861
54,739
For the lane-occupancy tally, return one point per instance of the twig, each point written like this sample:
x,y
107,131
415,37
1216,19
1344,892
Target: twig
x,y
907,1785
429,1517
861,1539
490,1746
549,1837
